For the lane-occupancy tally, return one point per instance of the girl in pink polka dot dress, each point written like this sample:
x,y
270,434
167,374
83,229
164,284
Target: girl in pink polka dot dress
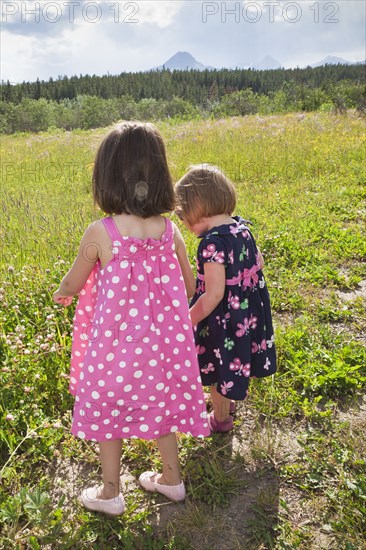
x,y
134,370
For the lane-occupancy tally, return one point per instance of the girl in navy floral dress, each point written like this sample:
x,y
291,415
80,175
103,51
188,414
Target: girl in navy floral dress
x,y
230,309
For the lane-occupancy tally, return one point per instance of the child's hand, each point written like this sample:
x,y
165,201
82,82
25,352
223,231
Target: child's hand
x,y
60,299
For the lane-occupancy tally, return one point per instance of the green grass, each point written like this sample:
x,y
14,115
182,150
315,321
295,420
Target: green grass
x,y
293,473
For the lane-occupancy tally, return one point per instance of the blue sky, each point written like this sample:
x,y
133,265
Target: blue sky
x,y
48,38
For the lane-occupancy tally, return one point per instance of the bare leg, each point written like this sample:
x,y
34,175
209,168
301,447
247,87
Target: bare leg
x,y
221,405
110,457
168,447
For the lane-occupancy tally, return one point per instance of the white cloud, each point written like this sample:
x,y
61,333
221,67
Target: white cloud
x,y
99,36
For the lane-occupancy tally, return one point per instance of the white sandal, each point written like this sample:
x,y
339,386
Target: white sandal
x,y
112,507
172,492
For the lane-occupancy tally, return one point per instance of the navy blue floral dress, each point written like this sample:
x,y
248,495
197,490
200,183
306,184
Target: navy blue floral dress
x,y
235,342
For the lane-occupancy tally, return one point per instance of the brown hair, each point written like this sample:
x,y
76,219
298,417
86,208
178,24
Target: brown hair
x,y
131,174
204,191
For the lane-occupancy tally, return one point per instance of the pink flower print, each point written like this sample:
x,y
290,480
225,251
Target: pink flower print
x,y
234,301
217,353
208,368
245,234
234,229
225,387
209,251
231,256
220,258
200,349
268,364
200,287
250,275
240,368
224,320
259,347
253,321
242,329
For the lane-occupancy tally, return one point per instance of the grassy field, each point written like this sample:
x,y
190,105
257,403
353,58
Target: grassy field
x,y
292,474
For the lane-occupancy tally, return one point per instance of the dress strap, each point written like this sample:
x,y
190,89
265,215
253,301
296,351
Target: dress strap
x,y
111,229
169,229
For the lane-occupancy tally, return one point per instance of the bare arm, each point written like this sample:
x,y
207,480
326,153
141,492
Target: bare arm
x,y
75,279
180,249
214,292
260,259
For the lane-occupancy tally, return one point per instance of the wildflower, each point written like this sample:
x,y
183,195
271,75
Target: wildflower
x,y
37,376
9,417
11,269
26,352
27,389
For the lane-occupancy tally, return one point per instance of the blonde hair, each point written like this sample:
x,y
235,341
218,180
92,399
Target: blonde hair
x,y
204,191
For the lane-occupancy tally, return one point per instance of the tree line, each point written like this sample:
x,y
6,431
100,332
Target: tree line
x,y
197,87
90,101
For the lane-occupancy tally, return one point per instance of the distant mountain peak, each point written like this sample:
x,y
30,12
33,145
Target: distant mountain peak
x,y
182,61
331,60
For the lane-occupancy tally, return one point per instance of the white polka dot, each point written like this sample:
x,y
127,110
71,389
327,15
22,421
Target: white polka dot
x,y
172,266
124,264
182,407
127,388
117,317
140,277
173,397
81,435
101,383
165,279
108,436
153,362
110,394
90,368
94,427
157,280
187,363
187,396
122,364
108,333
180,337
125,430
96,414
160,317
95,395
138,374
106,421
133,312
110,357
110,293
184,378
134,288
119,379
115,412
158,419
138,351
115,279
155,347
176,303
144,428
161,404
121,303
174,428
160,386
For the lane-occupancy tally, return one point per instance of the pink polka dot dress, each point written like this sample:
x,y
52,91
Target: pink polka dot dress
x,y
134,370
